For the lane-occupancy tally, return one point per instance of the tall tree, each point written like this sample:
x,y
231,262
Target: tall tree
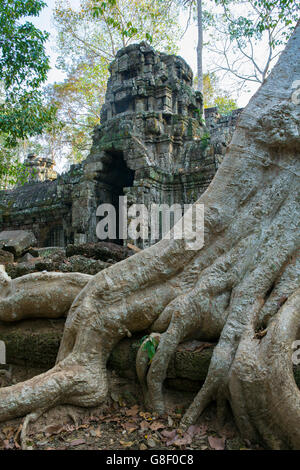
x,y
244,38
198,6
23,69
200,46
247,38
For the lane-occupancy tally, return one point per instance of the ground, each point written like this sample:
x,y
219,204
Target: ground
x,y
123,426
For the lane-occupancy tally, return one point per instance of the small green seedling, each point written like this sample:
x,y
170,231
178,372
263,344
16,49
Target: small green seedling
x,y
150,346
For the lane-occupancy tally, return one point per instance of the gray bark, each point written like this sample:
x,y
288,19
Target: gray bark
x,y
244,281
200,46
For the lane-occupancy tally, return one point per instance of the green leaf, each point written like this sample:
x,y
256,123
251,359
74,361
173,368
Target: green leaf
x,y
150,346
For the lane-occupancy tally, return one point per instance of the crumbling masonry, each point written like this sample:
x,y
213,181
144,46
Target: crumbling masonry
x,y
152,146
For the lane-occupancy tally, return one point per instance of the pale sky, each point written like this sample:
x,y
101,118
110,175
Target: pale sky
x,y
187,49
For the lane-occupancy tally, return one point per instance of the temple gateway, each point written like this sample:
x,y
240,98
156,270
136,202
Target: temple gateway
x,y
153,146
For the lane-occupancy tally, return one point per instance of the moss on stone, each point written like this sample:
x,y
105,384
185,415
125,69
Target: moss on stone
x,y
35,343
32,342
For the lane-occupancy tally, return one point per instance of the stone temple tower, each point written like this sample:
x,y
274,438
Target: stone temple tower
x,y
151,144
152,147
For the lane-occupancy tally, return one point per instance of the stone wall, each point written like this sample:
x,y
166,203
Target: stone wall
x,y
42,207
220,129
40,169
152,146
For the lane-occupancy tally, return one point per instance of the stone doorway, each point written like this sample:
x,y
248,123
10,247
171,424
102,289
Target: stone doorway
x,y
113,179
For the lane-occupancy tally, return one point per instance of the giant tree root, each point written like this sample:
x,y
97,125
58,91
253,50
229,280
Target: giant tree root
x,y
38,295
244,281
264,396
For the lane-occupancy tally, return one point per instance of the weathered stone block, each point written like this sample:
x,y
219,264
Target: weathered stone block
x,y
27,258
15,270
17,241
32,342
47,251
100,251
35,343
6,257
81,264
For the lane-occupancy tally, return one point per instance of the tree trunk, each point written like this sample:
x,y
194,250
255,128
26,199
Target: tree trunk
x,y
241,288
200,46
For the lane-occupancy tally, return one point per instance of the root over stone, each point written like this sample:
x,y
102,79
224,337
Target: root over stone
x,y
241,288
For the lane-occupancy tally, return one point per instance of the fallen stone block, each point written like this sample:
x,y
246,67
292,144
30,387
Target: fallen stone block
x,y
48,251
6,257
15,270
81,264
32,343
35,343
27,258
17,241
56,262
104,251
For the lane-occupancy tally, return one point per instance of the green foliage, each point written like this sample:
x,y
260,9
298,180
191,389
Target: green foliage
x,y
225,104
150,346
12,171
214,96
23,69
156,12
23,116
270,14
23,63
249,36
205,140
199,115
78,100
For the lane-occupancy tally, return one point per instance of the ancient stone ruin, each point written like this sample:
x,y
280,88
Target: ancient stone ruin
x,y
40,169
152,146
